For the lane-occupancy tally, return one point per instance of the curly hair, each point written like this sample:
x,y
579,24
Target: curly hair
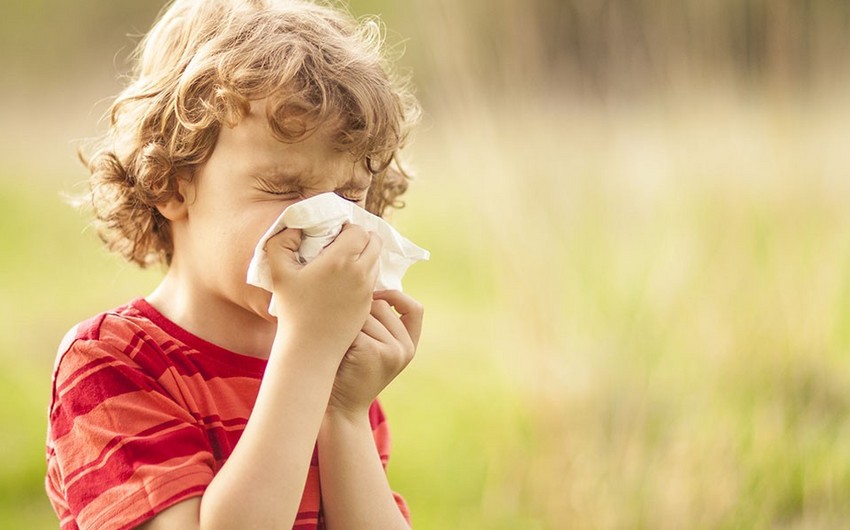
x,y
199,68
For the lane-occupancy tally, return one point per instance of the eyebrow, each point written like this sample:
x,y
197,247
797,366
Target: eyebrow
x,y
296,179
279,178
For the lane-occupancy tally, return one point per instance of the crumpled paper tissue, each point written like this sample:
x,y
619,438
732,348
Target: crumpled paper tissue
x,y
320,219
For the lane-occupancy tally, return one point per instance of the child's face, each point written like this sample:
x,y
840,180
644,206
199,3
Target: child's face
x,y
249,179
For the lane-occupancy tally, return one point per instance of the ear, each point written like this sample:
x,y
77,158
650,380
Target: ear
x,y
175,208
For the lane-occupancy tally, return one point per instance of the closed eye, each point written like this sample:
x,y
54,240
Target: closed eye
x,y
280,192
353,193
279,186
284,195
351,197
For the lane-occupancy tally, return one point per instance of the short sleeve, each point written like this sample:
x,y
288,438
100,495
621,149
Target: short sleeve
x,y
120,449
381,434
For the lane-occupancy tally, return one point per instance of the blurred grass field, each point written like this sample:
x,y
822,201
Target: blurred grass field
x,y
638,302
654,322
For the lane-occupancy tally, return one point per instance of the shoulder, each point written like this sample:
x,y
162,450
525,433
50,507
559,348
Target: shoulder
x,y
118,326
120,445
82,340
118,331
103,325
116,340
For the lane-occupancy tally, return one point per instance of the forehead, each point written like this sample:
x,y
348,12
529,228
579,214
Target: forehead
x,y
312,161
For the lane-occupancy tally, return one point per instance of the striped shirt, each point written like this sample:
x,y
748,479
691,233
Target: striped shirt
x,y
143,414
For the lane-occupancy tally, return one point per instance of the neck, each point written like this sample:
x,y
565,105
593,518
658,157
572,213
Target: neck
x,y
211,317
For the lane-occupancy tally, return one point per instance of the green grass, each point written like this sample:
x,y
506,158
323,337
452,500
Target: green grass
x,y
53,274
636,317
662,340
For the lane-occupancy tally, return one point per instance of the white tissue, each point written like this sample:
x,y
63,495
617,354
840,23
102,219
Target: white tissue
x,y
320,219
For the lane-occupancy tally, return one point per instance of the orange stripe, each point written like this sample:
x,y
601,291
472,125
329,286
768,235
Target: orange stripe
x,y
103,458
101,426
145,489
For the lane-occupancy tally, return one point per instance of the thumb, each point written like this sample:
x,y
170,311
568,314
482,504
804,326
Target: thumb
x,y
282,249
287,239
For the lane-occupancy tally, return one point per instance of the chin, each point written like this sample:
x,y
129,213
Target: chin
x,y
268,316
257,301
260,306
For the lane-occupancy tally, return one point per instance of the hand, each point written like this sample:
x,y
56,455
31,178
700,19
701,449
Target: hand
x,y
327,300
382,349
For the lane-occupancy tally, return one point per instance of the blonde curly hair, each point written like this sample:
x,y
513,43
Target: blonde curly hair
x,y
199,68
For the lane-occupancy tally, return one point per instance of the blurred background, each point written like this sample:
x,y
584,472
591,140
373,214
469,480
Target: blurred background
x,y
638,303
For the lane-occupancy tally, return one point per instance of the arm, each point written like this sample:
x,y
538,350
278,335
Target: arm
x,y
354,484
261,484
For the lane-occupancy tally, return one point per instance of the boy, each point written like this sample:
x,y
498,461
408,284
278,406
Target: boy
x,y
194,407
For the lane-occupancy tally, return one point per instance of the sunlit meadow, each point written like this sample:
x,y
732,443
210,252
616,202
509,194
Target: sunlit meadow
x,y
637,309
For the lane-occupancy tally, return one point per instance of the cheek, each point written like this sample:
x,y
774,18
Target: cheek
x,y
236,237
244,239
234,245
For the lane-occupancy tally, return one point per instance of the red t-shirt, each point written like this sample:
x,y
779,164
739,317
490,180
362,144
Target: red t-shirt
x,y
143,415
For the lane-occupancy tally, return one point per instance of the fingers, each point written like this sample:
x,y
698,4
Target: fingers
x,y
282,249
354,240
389,320
385,335
384,325
372,251
356,250
410,313
375,329
363,342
